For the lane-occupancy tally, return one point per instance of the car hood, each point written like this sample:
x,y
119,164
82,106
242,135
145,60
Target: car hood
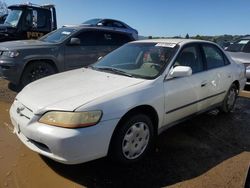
x,y
69,90
20,44
240,57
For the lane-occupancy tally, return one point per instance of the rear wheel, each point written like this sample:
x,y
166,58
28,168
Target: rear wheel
x,y
133,139
230,99
35,71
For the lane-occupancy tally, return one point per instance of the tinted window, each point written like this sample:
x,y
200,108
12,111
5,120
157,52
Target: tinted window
x,y
88,38
118,24
190,56
102,38
107,23
214,56
113,39
39,19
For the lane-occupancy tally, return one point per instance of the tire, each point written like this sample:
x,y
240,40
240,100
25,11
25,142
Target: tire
x,y
133,139
35,71
229,100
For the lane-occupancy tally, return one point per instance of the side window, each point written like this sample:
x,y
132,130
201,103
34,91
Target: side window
x,y
120,39
105,38
112,39
118,25
107,23
190,56
246,48
214,56
88,38
39,19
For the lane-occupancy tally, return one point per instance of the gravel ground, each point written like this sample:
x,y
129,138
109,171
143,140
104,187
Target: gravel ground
x,y
211,150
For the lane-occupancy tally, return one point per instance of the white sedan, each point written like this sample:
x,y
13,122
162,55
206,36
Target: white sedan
x,y
121,103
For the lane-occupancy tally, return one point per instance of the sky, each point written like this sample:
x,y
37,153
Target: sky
x,y
163,18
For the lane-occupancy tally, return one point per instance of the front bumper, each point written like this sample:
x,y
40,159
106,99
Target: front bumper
x,y
69,146
10,71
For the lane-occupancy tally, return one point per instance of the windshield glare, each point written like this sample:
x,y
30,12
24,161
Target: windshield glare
x,y
13,17
92,21
144,60
58,35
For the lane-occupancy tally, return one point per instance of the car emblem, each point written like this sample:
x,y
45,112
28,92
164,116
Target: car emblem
x,y
19,109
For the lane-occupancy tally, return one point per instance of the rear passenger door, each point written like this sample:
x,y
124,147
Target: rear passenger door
x,y
218,75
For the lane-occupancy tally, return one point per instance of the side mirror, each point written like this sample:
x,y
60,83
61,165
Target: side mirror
x,y
100,24
180,71
74,42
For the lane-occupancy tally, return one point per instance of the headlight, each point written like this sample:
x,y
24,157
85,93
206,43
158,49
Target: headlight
x,y
10,53
71,119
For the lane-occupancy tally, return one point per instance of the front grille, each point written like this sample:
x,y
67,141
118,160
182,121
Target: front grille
x,y
22,110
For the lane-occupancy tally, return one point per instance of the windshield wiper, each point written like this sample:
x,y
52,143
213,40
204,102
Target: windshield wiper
x,y
114,70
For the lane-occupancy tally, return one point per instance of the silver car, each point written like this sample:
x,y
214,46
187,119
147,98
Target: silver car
x,y
240,53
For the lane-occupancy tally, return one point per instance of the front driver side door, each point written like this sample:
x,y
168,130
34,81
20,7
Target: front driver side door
x,y
184,96
77,56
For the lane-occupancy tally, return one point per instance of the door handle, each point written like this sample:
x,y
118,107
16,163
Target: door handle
x,y
203,84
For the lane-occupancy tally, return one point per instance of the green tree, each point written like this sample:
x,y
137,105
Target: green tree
x,y
3,7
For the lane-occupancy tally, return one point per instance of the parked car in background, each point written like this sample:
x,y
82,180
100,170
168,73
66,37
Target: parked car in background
x,y
240,52
22,62
110,23
120,104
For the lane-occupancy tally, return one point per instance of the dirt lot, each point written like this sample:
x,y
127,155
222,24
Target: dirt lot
x,y
212,150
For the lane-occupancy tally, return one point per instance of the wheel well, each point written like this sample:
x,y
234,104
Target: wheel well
x,y
237,84
143,109
50,62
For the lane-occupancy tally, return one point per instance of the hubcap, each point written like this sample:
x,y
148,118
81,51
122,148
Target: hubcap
x,y
135,140
231,98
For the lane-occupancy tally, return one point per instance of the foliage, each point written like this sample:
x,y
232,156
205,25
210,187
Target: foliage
x,y
3,7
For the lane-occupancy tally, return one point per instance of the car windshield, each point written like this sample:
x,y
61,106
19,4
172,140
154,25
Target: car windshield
x,y
13,17
142,60
58,35
92,21
237,46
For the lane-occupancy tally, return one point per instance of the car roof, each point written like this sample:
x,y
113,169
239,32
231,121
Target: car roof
x,y
82,27
172,41
247,37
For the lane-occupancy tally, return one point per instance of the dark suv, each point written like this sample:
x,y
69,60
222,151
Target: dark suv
x,y
22,62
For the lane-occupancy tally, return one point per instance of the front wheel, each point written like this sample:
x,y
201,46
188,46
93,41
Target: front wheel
x,y
133,139
36,70
230,99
